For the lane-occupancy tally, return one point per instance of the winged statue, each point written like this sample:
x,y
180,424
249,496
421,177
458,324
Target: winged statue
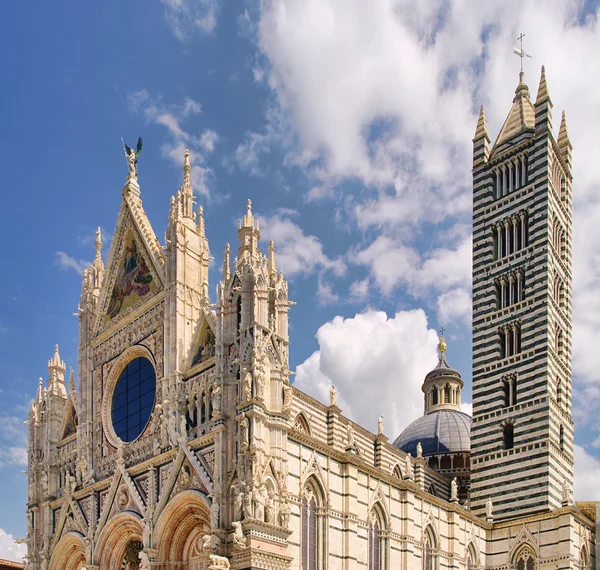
x,y
132,155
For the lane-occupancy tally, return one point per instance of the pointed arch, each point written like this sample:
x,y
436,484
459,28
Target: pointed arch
x,y
313,524
301,424
584,558
525,557
431,547
472,557
69,553
397,472
377,543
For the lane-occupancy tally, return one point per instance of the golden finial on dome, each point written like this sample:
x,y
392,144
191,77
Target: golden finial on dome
x,y
442,345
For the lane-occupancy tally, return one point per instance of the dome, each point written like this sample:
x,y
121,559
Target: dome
x,y
440,432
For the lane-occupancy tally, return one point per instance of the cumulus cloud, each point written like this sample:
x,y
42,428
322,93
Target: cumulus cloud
x,y
9,550
587,476
377,364
65,261
297,252
13,441
186,17
179,139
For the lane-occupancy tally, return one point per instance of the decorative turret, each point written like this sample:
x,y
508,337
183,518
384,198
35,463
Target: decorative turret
x,y
563,141
543,105
443,385
248,234
227,263
481,140
57,369
272,264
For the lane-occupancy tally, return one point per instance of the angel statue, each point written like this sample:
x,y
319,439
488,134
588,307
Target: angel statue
x,y
132,156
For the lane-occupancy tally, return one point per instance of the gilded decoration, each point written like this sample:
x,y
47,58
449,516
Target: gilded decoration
x,y
71,421
133,282
206,347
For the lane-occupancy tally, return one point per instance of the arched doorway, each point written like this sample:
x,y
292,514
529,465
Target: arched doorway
x,y
120,542
69,553
180,527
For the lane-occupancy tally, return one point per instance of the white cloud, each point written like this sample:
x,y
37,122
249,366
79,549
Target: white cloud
x,y
377,365
466,407
65,261
179,139
455,307
359,290
326,294
185,17
13,441
392,263
9,550
587,476
296,252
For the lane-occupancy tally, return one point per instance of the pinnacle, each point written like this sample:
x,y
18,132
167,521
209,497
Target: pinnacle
x,y
563,134
542,94
481,130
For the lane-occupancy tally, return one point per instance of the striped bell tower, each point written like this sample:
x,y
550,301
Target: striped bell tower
x,y
522,430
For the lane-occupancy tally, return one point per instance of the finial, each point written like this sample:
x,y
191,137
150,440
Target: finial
x,y
186,168
72,381
272,266
481,129
249,207
563,134
98,243
226,263
442,345
39,390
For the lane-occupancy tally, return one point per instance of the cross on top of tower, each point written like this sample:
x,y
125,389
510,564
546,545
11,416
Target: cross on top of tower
x,y
520,51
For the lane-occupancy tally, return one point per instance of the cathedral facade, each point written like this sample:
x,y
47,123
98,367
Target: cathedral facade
x,y
185,445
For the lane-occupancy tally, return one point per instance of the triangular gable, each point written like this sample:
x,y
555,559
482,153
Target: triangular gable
x,y
134,272
70,422
204,346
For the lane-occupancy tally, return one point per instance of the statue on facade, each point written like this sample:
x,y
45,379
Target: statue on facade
x,y
332,395
146,533
247,502
419,450
284,513
247,377
489,509
270,508
454,490
380,426
408,467
350,436
260,380
238,502
214,512
218,562
287,396
144,560
132,156
237,536
566,493
260,498
210,542
244,427
216,401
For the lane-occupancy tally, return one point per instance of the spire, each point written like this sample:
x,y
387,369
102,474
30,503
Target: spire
x,y
481,130
563,141
98,244
542,94
521,117
56,365
227,263
39,391
272,265
248,234
186,195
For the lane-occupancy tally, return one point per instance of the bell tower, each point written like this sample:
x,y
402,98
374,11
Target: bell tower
x,y
522,430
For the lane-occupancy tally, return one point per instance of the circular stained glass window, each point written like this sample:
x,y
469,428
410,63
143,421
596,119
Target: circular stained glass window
x,y
133,399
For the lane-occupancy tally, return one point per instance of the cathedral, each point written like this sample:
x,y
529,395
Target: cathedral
x,y
184,445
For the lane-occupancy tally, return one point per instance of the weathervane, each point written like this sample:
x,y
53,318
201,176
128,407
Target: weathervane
x,y
520,51
132,156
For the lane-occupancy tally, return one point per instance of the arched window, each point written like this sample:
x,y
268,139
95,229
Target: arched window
x,y
376,546
434,399
447,394
472,557
430,558
525,560
312,526
584,559
202,408
508,436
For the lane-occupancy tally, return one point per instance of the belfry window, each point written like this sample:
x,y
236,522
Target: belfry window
x,y
510,235
561,438
508,436
510,340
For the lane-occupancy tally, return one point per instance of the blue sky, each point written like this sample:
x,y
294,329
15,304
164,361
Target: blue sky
x,y
347,123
